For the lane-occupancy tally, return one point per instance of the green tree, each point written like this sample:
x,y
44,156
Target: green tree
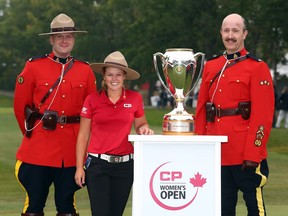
x,y
19,29
159,25
138,28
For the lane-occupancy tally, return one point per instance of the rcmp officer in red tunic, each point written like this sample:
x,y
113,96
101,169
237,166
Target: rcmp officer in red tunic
x,y
50,122
236,99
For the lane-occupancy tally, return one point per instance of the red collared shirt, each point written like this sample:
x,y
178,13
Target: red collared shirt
x,y
111,123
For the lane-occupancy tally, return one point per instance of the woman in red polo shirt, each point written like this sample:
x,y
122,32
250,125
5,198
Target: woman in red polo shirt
x,y
106,121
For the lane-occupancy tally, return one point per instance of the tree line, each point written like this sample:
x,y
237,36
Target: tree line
x,y
138,28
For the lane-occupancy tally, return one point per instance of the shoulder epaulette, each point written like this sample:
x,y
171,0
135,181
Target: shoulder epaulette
x,y
76,59
214,57
37,57
253,57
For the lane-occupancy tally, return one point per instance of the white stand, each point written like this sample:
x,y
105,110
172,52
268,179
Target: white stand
x,y
176,175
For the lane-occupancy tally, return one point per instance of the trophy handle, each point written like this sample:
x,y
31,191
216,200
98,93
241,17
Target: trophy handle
x,y
196,56
162,57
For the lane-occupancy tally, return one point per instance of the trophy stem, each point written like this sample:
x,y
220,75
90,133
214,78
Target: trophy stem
x,y
179,106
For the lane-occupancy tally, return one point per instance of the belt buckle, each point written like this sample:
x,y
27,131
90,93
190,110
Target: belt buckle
x,y
63,119
218,112
114,159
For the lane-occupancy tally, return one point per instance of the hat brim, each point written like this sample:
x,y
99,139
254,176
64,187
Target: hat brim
x,y
130,73
62,32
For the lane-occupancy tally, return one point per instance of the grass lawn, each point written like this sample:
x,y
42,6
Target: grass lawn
x,y
12,195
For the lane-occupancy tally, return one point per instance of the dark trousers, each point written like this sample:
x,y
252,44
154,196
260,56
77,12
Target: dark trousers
x,y
108,186
250,182
36,180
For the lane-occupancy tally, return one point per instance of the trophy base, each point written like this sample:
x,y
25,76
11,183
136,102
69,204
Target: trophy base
x,y
173,126
178,133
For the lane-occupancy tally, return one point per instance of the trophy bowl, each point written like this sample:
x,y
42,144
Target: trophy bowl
x,y
178,73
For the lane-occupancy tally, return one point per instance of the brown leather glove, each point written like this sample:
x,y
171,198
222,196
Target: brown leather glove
x,y
249,165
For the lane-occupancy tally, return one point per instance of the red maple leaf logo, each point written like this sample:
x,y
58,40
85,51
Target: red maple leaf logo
x,y
198,181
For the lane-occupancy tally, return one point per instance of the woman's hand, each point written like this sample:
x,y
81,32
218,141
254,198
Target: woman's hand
x,y
144,130
142,127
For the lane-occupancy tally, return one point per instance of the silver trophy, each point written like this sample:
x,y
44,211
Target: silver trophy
x,y
178,67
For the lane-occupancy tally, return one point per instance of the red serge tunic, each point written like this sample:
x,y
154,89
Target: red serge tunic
x,y
248,80
111,123
46,147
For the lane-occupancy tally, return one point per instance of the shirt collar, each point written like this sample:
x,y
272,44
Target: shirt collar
x,y
235,55
58,59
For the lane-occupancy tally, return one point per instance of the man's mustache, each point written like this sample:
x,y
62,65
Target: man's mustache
x,y
230,39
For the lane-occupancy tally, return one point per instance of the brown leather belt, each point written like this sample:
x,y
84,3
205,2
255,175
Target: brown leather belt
x,y
64,119
68,119
226,112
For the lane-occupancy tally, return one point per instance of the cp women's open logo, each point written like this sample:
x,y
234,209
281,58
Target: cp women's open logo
x,y
174,189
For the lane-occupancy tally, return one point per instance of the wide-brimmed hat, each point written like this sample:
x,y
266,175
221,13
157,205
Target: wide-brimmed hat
x,y
115,59
62,24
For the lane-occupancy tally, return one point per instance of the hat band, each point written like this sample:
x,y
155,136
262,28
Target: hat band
x,y
63,29
115,63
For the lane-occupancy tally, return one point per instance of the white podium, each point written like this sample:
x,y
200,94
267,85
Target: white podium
x,y
176,175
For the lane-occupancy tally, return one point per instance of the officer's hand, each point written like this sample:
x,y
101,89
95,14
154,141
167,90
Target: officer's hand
x,y
249,165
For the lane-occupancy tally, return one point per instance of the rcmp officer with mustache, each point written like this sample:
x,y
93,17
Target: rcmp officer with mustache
x,y
236,99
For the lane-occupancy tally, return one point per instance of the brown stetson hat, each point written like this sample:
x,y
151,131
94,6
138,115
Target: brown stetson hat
x,y
62,24
115,59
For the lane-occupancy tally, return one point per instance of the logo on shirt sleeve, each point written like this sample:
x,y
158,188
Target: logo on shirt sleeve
x,y
84,110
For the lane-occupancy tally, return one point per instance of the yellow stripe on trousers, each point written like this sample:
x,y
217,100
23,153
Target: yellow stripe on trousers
x,y
259,195
17,167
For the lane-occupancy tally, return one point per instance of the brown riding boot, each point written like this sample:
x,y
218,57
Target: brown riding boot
x,y
71,214
32,214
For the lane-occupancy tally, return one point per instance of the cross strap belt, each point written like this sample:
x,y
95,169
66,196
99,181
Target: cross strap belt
x,y
64,119
226,112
